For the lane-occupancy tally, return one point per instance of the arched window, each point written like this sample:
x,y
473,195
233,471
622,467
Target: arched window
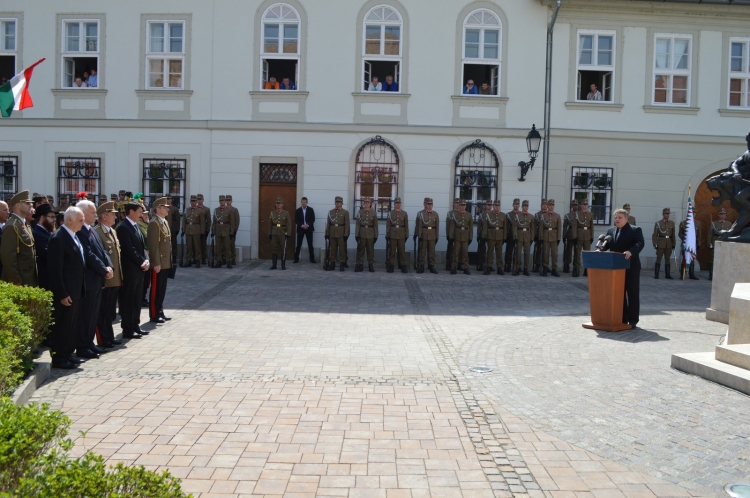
x,y
382,50
376,175
482,53
477,168
280,52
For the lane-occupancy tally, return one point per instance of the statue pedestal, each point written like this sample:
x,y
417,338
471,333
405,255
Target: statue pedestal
x,y
730,267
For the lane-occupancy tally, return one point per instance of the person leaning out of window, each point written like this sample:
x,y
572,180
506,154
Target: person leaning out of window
x,y
287,84
272,84
375,85
594,94
470,89
390,85
485,89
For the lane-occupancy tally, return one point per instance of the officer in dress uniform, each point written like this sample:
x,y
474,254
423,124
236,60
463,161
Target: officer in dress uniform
x,y
366,234
234,223
206,228
105,334
173,218
631,219
482,236
337,232
159,237
427,229
664,241
551,231
494,230
584,222
714,232
222,229
17,247
396,233
279,228
570,231
463,231
449,218
698,240
510,241
193,226
523,227
538,243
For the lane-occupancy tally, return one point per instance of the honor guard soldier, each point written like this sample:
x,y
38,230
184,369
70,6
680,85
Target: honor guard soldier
x,y
551,231
664,241
105,334
482,236
193,226
463,231
538,243
366,234
159,239
494,230
206,228
279,228
510,241
396,233
427,229
631,219
584,222
174,219
102,199
698,240
337,231
449,218
570,230
234,223
17,246
221,229
523,226
713,233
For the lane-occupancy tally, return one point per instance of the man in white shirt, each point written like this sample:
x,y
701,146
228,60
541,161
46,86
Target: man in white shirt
x,y
79,83
594,94
375,85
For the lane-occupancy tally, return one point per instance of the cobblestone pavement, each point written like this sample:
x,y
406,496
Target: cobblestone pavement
x,y
307,383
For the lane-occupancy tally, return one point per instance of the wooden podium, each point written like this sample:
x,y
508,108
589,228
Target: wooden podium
x,y
606,271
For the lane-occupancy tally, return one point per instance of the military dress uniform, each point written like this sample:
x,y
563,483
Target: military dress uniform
x,y
366,234
449,220
664,242
714,232
337,231
550,233
523,226
631,219
427,229
105,334
538,243
159,237
17,247
570,231
206,229
234,224
463,231
494,229
698,240
584,223
396,232
221,229
193,226
279,228
482,236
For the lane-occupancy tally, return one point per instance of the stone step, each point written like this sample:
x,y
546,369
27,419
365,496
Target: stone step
x,y
735,354
707,366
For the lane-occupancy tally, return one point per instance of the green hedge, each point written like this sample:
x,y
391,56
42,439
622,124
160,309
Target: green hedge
x,y
34,462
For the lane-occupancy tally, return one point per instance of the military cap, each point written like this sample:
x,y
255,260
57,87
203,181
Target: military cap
x,y
463,202
574,202
35,195
516,201
551,202
193,198
168,196
221,197
428,200
107,207
229,197
22,196
544,201
160,202
663,211
199,197
51,197
457,200
339,199
103,197
122,192
626,206
397,199
525,202
279,200
496,203
43,209
113,197
585,202
366,199
722,211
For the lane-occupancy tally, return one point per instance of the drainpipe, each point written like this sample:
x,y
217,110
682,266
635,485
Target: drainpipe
x,y
547,101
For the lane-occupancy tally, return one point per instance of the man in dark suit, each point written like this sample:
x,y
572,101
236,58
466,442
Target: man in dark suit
x,y
45,218
134,262
66,264
4,215
304,218
628,239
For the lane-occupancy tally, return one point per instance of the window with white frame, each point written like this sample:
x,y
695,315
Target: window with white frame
x,y
739,72
481,53
8,48
165,55
672,69
595,66
382,50
594,185
280,52
80,53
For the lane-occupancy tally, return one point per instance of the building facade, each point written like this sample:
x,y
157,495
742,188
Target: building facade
x,y
184,99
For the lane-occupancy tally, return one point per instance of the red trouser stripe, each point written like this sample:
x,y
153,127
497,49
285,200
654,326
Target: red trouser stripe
x,y
152,301
99,337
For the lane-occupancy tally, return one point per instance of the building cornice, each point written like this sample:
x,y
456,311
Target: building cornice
x,y
636,9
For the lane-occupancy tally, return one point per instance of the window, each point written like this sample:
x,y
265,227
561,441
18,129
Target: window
x,y
8,48
8,176
477,168
481,53
595,186
80,54
165,55
165,176
78,174
280,53
672,70
596,66
739,72
376,175
382,49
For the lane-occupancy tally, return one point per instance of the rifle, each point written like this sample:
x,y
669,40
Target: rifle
x,y
182,252
449,255
565,252
283,254
328,253
387,252
419,249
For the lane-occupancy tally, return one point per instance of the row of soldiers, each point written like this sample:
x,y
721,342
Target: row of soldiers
x,y
198,223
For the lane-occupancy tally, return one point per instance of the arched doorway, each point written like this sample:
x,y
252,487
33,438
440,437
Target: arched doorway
x,y
705,213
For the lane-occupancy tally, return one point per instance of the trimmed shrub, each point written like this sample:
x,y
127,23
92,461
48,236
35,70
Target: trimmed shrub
x,y
35,303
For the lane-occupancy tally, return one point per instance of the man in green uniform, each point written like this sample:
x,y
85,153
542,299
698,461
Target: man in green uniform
x,y
510,241
698,240
714,232
584,222
631,219
448,229
482,236
396,233
494,230
550,233
366,234
159,240
222,229
206,229
664,241
173,218
234,224
538,243
569,236
193,225
105,335
463,231
427,230
337,231
523,226
279,228
17,247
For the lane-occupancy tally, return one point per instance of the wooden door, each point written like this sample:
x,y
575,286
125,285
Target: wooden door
x,y
705,213
276,180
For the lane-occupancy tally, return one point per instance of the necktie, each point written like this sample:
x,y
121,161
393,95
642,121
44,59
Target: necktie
x,y
80,247
617,235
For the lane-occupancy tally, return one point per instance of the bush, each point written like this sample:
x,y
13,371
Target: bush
x,y
36,304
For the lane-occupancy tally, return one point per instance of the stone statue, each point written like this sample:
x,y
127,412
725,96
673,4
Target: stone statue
x,y
734,184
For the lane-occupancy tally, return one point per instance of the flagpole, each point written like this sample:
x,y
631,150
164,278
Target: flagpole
x,y
687,228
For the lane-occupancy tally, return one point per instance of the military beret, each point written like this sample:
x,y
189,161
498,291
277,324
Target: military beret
x,y
397,199
551,202
160,202
457,200
663,211
722,211
339,199
22,196
43,209
193,198
428,200
574,202
107,207
626,206
279,200
516,201
496,203
229,197
525,203
199,197
221,197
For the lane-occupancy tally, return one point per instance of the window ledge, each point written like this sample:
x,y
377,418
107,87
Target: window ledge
x,y
671,109
279,105
478,99
164,93
382,95
278,94
735,113
73,93
590,106
80,104
381,107
164,104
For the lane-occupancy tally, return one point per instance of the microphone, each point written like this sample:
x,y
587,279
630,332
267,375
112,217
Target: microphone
x,y
607,241
600,241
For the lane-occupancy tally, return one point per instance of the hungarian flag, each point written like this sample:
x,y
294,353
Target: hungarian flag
x,y
689,244
14,94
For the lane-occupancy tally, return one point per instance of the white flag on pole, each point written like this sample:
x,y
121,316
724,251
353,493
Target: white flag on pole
x,y
689,244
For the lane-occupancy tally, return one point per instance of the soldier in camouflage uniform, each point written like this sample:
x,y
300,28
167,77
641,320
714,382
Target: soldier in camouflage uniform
x,y
222,229
664,241
396,233
550,233
714,231
279,228
193,225
538,243
569,236
366,234
427,229
448,228
463,232
337,231
584,222
494,230
523,227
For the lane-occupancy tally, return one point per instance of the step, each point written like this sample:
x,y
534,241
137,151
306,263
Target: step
x,y
734,354
707,366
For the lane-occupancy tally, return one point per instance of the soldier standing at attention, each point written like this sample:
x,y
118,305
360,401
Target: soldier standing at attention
x,y
17,249
631,219
538,243
193,226
584,222
428,231
105,334
159,239
664,242
713,234
234,224
463,230
495,227
449,218
279,228
570,230
337,231
482,236
173,217
551,231
698,240
221,229
396,233
206,228
366,234
510,241
523,230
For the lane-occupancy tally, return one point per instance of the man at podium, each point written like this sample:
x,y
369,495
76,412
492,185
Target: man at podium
x,y
628,239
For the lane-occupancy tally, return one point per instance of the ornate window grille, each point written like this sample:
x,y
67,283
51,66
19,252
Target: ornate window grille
x,y
595,186
376,176
77,174
8,176
162,177
278,173
477,168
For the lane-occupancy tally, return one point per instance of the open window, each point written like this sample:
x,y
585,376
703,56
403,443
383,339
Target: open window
x,y
280,52
481,61
8,48
382,50
672,70
596,66
80,54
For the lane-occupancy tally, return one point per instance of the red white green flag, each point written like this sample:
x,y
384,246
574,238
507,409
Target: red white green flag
x,y
14,94
689,244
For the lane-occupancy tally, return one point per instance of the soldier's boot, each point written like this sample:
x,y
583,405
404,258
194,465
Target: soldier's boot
x,y
491,268
691,273
404,269
480,267
345,264
420,268
371,268
667,275
189,264
566,268
454,269
283,264
507,267
575,273
526,272
357,268
223,262
466,271
544,271
203,260
229,265
500,271
486,271
197,263
515,272
390,268
711,272
274,259
432,269
342,266
555,274
656,270
535,268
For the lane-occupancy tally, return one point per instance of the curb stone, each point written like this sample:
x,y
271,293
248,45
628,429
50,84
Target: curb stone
x,y
35,378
